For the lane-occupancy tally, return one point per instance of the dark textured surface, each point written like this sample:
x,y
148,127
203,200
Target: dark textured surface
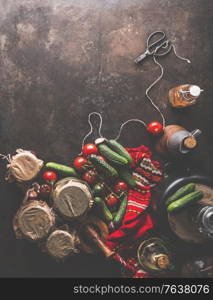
x,y
60,60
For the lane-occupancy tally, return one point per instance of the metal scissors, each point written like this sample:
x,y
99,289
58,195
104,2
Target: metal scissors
x,y
155,48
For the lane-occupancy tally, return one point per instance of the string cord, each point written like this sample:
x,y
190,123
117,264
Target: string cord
x,y
91,127
151,86
154,55
159,78
7,157
128,121
180,57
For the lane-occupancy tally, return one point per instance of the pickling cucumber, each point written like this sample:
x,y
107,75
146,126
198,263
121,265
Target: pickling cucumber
x,y
106,214
114,213
102,166
61,169
184,190
184,201
98,189
127,176
118,148
121,211
112,156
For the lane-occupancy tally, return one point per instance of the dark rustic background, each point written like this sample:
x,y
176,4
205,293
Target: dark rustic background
x,y
60,60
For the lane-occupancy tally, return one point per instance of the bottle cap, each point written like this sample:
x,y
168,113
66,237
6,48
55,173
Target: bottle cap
x,y
195,90
162,261
190,142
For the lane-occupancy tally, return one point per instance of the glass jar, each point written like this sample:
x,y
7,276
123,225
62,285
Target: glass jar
x,y
72,198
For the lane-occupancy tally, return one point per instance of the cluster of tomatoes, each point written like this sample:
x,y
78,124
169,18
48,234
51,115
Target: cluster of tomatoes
x,y
81,163
88,174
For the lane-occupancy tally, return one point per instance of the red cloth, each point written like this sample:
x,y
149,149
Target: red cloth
x,y
136,220
139,274
138,153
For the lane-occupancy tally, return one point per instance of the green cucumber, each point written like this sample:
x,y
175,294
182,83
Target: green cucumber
x,y
98,189
106,214
61,169
118,148
112,156
121,211
102,166
184,201
127,176
114,213
184,190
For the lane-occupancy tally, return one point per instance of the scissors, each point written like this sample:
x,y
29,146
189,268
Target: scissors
x,y
153,48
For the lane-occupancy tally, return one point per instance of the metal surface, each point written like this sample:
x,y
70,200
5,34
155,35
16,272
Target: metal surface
x,y
62,59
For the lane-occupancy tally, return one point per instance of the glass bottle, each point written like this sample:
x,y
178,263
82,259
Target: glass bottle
x,y
184,95
154,256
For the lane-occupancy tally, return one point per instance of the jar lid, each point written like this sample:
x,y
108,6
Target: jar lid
x,y
207,220
35,220
72,198
61,244
195,90
24,166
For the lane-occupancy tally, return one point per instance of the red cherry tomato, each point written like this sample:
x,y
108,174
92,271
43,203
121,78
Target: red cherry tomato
x,y
120,187
101,157
89,149
80,163
49,176
111,200
89,176
155,128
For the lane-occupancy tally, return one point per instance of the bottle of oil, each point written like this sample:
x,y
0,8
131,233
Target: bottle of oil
x,y
154,256
184,95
